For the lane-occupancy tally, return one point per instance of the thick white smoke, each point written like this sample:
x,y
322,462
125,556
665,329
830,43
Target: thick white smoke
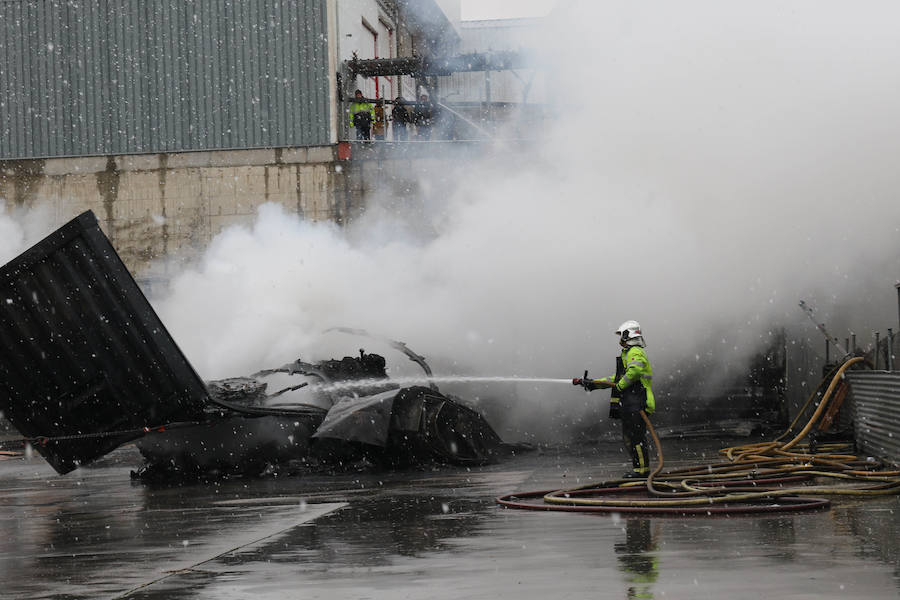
x,y
20,228
754,143
706,168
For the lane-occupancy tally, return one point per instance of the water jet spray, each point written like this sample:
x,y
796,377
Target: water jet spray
x,y
403,381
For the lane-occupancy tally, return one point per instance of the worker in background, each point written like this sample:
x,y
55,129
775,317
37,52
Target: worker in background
x,y
631,393
401,118
362,115
379,127
423,116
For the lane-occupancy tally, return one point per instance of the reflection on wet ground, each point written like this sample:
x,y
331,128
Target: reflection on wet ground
x,y
418,534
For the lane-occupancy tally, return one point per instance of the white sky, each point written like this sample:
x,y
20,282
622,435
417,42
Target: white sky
x,y
476,10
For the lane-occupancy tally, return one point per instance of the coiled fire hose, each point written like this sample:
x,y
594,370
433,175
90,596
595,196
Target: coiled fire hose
x,y
755,478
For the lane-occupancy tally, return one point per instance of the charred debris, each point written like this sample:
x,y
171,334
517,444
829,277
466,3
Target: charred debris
x,y
88,366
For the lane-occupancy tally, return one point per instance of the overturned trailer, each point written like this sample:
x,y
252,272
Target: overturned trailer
x,y
88,366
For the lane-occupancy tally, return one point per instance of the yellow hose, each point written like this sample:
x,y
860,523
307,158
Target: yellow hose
x,y
823,403
750,462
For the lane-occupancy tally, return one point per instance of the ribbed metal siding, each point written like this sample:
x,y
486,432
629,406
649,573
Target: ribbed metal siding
x,y
83,350
88,77
876,396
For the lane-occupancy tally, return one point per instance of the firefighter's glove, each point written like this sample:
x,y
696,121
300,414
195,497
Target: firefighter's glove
x,y
587,384
649,408
615,409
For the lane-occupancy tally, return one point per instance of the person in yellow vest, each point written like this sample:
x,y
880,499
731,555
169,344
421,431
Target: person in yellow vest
x,y
632,392
362,115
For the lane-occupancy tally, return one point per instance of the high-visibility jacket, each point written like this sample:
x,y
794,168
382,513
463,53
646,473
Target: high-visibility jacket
x,y
637,372
356,107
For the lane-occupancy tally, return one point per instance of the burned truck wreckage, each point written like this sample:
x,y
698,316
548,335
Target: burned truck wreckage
x,y
370,424
88,366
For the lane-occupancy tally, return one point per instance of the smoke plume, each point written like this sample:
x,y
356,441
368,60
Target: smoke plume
x,y
703,167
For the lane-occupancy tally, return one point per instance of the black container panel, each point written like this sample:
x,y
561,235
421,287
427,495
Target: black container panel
x,y
83,352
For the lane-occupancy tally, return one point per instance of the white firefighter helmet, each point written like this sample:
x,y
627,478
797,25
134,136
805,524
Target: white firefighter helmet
x,y
630,334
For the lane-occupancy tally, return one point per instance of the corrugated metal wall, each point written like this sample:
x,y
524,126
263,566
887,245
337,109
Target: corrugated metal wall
x,y
89,77
876,395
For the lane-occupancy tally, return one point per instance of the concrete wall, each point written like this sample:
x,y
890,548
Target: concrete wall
x,y
158,206
151,206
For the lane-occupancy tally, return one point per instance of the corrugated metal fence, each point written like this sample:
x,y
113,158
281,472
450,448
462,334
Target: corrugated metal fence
x,y
98,77
876,398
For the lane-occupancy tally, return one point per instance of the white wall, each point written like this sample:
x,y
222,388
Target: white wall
x,y
357,20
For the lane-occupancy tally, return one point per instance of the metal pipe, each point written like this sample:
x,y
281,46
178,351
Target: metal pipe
x,y
424,66
890,349
827,351
877,336
820,326
853,339
898,301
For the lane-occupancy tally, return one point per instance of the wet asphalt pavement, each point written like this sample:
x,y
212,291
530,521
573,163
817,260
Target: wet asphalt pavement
x,y
427,533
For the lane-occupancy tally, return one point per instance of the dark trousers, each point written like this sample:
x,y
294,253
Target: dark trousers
x,y
634,434
363,132
362,121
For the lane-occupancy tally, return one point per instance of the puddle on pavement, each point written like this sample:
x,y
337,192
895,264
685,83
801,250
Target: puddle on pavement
x,y
419,534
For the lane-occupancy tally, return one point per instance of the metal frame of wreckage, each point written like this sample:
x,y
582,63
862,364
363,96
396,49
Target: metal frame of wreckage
x,y
382,424
88,365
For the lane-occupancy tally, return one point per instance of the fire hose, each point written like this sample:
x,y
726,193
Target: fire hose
x,y
760,477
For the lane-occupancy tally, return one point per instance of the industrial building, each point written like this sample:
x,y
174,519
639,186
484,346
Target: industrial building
x,y
172,120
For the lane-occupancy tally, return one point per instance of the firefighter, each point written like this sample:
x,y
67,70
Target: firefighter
x,y
631,393
362,116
